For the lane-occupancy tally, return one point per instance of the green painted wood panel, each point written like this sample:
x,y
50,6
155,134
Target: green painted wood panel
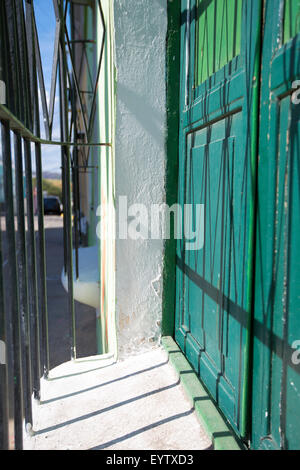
x,y
224,131
276,376
218,35
291,19
217,166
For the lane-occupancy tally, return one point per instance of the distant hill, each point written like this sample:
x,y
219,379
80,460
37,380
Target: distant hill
x,y
47,175
53,187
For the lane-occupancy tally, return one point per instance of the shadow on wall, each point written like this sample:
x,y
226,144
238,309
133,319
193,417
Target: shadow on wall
x,y
161,3
148,117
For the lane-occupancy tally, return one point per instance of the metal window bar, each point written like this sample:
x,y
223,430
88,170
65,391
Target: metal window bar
x,y
12,312
4,444
22,280
24,319
32,275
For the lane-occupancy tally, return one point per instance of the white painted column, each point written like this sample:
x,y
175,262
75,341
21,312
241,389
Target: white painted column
x,y
140,56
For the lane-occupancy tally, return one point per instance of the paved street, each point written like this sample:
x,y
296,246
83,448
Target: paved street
x,y
58,299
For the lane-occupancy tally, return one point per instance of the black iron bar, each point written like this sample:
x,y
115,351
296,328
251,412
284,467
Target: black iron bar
x,y
41,81
42,284
93,107
22,276
3,364
86,167
78,198
42,318
75,197
23,68
42,339
67,184
31,59
34,285
72,323
13,58
32,278
54,76
62,170
75,152
76,83
76,215
4,403
13,314
82,41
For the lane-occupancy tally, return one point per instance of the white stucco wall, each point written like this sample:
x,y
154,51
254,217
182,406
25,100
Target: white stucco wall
x,y
140,49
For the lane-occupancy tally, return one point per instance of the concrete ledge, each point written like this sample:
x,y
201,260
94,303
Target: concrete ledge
x,y
218,431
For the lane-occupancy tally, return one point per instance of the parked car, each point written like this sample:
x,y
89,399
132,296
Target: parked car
x,y
52,205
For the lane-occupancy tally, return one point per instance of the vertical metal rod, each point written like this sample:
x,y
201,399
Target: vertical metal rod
x,y
22,276
72,325
23,58
38,63
12,284
63,174
32,285
67,183
42,284
54,76
7,383
75,203
3,364
78,198
42,320
94,103
13,57
30,59
75,150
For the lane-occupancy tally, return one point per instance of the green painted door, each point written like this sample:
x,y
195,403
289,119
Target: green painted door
x,y
238,282
276,367
220,65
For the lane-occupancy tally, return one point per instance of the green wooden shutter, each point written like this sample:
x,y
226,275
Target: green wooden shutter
x,y
220,58
276,378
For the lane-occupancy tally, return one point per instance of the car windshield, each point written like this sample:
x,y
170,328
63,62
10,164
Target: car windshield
x,y
51,203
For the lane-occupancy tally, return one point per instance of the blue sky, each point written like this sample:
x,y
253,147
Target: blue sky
x,y
46,24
